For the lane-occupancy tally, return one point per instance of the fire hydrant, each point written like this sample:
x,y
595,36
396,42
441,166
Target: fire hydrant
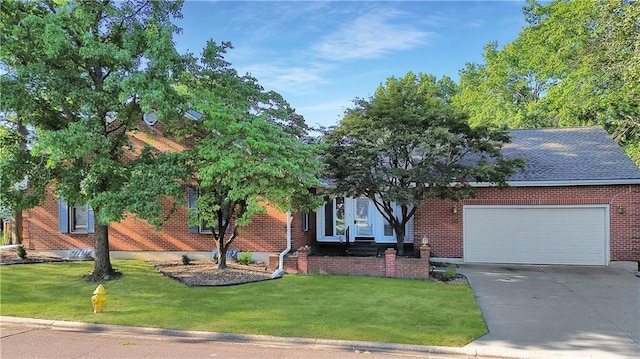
x,y
97,299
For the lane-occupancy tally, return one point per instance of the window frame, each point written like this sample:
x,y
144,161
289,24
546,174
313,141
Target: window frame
x,y
74,227
66,218
305,221
192,196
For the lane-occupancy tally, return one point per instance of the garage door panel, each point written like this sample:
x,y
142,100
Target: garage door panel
x,y
535,235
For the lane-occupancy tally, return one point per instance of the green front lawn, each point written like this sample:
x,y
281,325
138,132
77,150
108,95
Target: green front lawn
x,y
314,306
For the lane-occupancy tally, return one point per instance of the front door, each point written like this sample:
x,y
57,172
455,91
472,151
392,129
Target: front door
x,y
363,217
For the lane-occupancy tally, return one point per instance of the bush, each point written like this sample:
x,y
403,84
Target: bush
x,y
185,259
245,258
450,273
22,253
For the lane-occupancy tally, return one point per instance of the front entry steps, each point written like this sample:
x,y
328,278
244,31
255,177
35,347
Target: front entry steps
x,y
356,249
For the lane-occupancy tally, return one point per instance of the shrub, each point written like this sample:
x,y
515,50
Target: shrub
x,y
185,259
22,253
245,258
450,273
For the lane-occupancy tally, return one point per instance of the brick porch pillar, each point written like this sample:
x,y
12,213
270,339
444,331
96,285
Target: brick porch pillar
x,y
425,254
303,260
425,251
390,262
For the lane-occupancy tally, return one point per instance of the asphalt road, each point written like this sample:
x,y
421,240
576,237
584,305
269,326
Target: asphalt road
x,y
39,341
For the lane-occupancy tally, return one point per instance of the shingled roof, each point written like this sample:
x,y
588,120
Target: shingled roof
x,y
571,155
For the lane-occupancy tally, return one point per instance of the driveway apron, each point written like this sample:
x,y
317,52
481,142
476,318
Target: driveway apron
x,y
557,311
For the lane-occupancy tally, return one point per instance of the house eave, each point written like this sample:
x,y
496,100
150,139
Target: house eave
x,y
608,182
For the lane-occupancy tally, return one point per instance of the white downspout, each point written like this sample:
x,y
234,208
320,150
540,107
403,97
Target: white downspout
x,y
280,271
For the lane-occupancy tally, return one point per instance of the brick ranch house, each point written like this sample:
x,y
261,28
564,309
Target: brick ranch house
x,y
577,202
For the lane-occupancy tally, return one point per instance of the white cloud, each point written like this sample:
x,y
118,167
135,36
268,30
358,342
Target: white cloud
x,y
296,79
333,106
369,36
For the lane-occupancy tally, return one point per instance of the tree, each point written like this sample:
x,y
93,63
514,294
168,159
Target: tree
x,y
575,64
406,144
23,176
248,150
88,71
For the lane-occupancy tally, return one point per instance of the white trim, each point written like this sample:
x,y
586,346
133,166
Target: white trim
x,y
377,222
559,183
607,223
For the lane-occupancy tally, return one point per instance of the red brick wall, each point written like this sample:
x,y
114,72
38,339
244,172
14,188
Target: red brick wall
x,y
388,266
267,233
435,218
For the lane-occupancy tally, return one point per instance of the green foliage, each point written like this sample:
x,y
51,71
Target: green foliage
x,y
22,253
450,273
185,259
439,314
407,144
23,177
82,74
249,150
575,64
245,258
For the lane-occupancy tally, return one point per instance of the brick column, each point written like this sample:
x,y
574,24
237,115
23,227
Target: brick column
x,y
390,262
425,253
303,263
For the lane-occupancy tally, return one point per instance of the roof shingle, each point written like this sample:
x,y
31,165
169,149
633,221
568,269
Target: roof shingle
x,y
570,154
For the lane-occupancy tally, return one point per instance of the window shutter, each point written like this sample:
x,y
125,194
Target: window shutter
x,y
63,216
192,195
91,226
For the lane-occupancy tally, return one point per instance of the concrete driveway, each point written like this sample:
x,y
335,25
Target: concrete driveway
x,y
557,311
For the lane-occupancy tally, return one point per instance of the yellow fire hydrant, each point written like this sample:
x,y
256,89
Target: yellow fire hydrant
x,y
97,299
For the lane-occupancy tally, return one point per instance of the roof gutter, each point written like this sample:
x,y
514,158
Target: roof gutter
x,y
560,183
280,271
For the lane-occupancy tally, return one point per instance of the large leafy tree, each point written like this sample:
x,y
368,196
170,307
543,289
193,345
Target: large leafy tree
x,y
575,63
89,70
23,176
248,150
406,144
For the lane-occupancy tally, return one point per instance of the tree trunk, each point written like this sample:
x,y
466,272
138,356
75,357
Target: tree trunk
x,y
15,231
400,240
222,254
102,269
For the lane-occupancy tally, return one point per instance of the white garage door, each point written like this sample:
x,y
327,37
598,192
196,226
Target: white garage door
x,y
536,234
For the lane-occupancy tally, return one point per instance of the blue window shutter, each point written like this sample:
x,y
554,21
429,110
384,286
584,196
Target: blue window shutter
x,y
192,197
63,216
91,226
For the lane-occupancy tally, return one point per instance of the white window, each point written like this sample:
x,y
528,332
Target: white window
x,y
202,227
78,219
334,224
305,222
74,219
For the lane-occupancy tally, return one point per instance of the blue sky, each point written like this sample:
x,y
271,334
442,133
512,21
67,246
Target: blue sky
x,y
322,55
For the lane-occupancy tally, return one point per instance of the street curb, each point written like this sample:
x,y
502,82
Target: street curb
x,y
260,340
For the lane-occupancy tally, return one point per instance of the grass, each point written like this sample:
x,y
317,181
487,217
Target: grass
x,y
314,306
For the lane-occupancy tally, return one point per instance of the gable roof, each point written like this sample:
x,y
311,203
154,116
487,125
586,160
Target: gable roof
x,y
569,156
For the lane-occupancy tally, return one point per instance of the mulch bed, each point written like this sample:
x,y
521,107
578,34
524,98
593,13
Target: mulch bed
x,y
10,256
206,273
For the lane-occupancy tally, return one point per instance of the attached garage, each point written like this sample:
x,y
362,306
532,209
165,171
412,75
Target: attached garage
x,y
577,235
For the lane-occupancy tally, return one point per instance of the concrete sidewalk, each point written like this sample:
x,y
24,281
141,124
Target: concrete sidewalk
x,y
557,311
